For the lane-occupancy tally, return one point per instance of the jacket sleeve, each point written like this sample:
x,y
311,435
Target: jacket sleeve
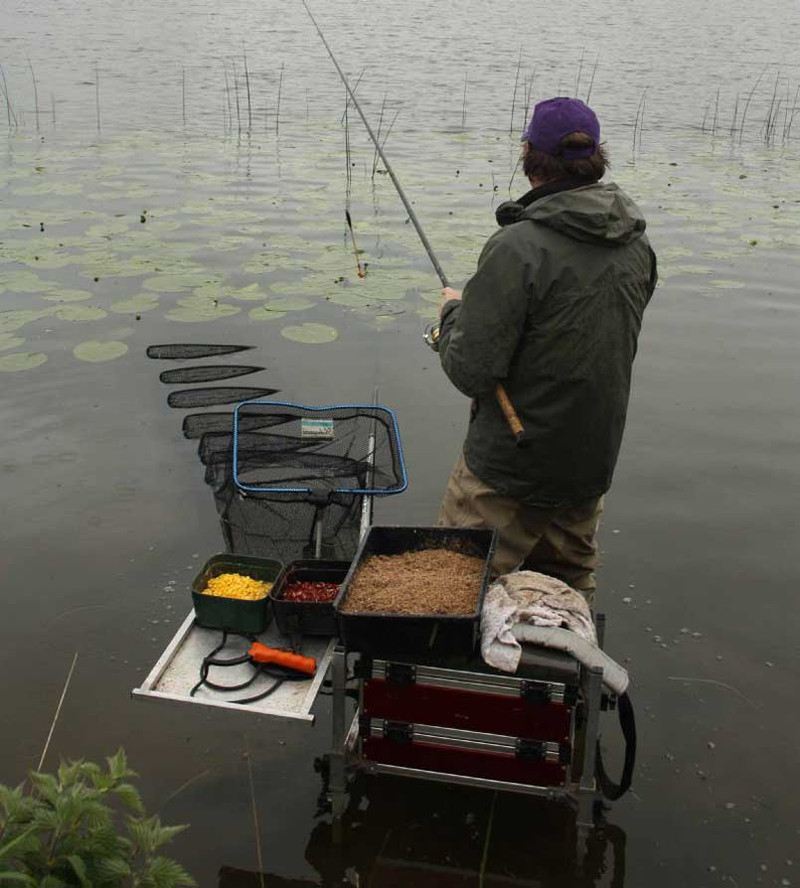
x,y
479,335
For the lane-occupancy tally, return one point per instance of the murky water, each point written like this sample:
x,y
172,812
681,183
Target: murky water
x,y
243,239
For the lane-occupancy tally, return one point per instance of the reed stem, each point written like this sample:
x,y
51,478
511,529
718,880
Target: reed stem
x,y
9,110
236,94
580,73
183,94
97,93
247,85
380,127
35,95
278,103
464,105
749,99
355,88
591,82
514,97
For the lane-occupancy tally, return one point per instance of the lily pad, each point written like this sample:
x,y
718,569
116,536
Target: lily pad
x,y
67,295
264,313
13,320
21,361
25,282
291,303
8,341
728,285
177,283
78,313
310,334
136,304
197,308
95,351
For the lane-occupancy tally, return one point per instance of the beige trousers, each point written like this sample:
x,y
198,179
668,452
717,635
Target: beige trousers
x,y
557,542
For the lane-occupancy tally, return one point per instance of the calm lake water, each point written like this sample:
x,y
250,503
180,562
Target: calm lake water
x,y
243,241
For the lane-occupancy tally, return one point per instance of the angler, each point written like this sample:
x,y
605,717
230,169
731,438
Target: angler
x,y
554,310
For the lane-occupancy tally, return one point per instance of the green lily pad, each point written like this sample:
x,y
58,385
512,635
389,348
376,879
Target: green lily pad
x,y
264,313
67,295
310,334
728,285
13,320
25,282
95,351
192,309
291,303
78,313
136,304
8,341
177,283
21,361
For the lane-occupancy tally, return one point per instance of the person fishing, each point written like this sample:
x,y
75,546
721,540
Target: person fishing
x,y
553,312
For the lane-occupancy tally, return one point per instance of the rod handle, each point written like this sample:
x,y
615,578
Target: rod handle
x,y
511,417
260,653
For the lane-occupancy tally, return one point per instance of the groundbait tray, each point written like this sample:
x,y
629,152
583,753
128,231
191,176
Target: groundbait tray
x,y
382,634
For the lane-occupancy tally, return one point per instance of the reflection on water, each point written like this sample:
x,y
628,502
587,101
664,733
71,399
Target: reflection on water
x,y
399,833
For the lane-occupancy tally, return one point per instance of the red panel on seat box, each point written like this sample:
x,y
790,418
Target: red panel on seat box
x,y
468,710
467,762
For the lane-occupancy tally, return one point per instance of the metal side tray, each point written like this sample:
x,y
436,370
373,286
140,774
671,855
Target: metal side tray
x,y
177,672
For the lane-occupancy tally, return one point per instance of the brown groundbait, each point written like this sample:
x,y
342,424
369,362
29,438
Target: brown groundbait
x,y
432,581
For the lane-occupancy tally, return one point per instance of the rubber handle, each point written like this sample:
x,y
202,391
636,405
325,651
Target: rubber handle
x,y
510,414
260,653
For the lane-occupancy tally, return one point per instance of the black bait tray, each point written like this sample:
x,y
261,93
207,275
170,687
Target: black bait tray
x,y
382,634
307,617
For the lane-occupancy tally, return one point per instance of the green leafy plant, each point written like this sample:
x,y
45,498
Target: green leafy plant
x,y
84,827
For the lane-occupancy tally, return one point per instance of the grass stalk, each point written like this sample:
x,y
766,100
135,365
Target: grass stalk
x,y
735,115
580,74
750,99
247,86
767,125
35,94
514,96
464,104
278,103
57,713
236,96
228,94
183,94
788,129
591,82
355,88
716,114
380,127
254,808
9,110
97,93
638,123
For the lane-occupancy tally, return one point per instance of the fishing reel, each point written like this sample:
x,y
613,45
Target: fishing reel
x,y
431,335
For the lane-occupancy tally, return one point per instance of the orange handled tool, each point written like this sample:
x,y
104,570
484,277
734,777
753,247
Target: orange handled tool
x,y
260,653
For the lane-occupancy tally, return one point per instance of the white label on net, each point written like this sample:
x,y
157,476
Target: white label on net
x,y
316,428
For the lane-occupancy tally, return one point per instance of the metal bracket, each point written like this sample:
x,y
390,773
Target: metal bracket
x,y
398,732
570,695
401,673
608,702
530,750
535,692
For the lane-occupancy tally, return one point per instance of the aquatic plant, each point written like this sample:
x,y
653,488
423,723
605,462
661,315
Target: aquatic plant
x,y
84,826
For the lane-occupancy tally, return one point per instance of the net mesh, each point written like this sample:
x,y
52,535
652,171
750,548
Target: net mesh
x,y
364,453
315,454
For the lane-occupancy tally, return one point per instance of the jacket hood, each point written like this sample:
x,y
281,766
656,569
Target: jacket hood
x,y
592,213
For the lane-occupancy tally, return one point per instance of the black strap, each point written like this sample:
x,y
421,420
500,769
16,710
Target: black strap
x,y
627,723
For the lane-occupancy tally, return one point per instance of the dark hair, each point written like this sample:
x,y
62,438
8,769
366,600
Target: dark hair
x,y
538,165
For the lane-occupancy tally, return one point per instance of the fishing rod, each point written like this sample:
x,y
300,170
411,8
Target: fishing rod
x,y
431,337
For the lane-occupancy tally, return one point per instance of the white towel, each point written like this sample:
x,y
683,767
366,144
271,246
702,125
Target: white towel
x,y
529,597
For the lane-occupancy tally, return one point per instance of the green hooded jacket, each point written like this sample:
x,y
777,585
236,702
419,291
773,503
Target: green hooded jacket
x,y
553,312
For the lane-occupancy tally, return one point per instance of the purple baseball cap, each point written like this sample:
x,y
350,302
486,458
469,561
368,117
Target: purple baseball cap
x,y
555,118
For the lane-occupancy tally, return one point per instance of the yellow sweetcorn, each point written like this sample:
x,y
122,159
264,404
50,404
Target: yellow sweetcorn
x,y
233,585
